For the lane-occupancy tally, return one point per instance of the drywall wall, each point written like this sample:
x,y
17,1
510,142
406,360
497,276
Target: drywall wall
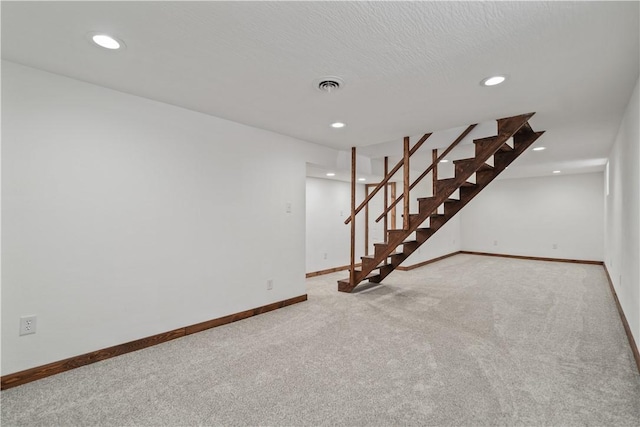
x,y
328,238
445,241
622,215
125,217
528,216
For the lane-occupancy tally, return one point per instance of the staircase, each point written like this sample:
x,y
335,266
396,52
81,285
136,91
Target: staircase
x,y
390,254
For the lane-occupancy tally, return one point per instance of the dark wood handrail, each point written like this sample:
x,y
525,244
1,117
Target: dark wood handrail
x,y
435,162
388,177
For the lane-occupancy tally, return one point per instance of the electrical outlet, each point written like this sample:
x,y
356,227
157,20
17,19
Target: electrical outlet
x,y
495,243
324,256
269,284
288,207
28,325
555,246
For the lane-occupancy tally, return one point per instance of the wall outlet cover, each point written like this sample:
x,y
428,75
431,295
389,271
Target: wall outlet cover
x,y
28,325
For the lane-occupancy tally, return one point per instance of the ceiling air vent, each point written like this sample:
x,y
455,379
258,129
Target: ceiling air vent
x,y
329,84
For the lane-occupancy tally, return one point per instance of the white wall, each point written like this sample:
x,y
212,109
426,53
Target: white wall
x,y
622,215
528,216
328,206
446,240
125,217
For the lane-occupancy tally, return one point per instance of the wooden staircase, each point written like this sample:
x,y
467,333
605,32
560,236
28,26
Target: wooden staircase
x,y
398,245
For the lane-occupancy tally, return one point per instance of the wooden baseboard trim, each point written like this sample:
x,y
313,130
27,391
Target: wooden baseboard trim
x,y
330,270
625,324
534,258
423,263
199,327
39,372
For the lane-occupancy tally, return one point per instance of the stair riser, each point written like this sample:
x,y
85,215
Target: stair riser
x,y
396,260
410,248
369,264
452,208
380,249
425,207
485,177
447,187
438,222
423,236
462,166
395,237
415,220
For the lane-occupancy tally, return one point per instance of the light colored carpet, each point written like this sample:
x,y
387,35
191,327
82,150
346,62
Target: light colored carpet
x,y
466,341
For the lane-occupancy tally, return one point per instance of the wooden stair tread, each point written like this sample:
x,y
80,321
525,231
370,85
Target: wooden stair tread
x,y
482,167
344,285
379,265
485,167
386,243
443,182
486,140
371,275
424,229
490,140
373,257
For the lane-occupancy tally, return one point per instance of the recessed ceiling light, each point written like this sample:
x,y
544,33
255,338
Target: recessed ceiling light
x,y
337,125
106,41
331,174
362,179
539,148
444,161
493,80
556,171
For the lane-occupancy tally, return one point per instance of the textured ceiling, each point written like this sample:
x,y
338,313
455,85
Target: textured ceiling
x,y
408,67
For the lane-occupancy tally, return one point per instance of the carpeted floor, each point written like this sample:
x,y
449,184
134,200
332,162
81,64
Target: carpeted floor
x,y
466,341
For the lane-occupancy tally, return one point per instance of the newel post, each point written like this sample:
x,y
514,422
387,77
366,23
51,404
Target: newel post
x,y
352,275
406,182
